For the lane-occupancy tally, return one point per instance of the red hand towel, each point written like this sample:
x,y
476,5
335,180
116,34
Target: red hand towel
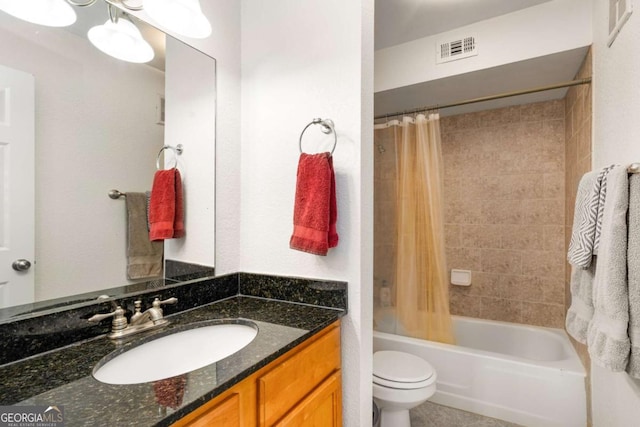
x,y
178,220
315,211
166,214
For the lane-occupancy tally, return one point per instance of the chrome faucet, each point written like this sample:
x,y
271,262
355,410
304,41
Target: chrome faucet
x,y
140,321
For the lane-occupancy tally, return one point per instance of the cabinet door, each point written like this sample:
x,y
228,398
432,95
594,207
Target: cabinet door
x,y
322,408
286,384
235,407
224,414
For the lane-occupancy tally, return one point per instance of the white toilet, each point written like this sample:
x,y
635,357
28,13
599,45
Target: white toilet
x,y
401,381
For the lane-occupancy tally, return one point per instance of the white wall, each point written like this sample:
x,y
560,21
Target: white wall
x,y
190,91
616,139
84,148
548,28
224,45
302,60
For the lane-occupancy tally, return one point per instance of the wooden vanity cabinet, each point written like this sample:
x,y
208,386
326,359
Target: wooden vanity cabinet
x,y
301,388
321,408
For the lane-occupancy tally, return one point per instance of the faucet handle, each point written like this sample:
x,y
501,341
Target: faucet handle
x,y
157,303
119,320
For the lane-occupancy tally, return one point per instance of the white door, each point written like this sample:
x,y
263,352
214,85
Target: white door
x,y
17,141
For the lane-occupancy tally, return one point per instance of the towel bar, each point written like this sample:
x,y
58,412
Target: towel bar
x,y
115,194
327,128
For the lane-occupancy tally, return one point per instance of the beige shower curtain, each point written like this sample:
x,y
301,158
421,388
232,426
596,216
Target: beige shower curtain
x,y
421,282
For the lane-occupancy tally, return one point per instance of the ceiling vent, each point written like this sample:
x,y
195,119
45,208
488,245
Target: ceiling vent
x,y
458,48
619,13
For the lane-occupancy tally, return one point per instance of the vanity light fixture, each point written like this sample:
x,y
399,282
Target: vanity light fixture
x,y
183,17
121,39
52,13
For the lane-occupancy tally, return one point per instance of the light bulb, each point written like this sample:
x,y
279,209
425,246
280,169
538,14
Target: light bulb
x,y
121,40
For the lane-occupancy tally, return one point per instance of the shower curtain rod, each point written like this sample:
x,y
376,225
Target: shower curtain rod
x,y
491,97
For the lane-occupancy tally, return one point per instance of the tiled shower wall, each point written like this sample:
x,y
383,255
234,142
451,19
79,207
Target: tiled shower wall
x,y
504,212
384,247
578,147
578,162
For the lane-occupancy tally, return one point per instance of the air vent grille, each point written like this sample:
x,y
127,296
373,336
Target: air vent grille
x,y
456,49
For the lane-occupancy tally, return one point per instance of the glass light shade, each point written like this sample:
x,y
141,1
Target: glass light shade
x,y
52,13
183,17
122,40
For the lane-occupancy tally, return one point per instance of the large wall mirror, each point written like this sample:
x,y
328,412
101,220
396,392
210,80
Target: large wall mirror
x,y
99,125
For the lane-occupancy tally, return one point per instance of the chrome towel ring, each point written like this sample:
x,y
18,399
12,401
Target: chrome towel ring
x,y
327,127
177,150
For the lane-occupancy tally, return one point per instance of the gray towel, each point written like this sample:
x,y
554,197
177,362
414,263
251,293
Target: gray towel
x,y
602,194
633,274
144,258
587,218
148,202
607,337
580,313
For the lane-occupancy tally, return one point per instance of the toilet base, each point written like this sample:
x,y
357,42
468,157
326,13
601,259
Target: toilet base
x,y
396,397
397,418
395,404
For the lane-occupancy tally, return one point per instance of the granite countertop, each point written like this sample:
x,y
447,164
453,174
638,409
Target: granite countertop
x,y
62,377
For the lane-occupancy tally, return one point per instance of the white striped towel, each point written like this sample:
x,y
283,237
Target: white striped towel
x,y
587,219
602,177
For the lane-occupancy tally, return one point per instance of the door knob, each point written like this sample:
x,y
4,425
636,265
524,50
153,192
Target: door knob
x,y
21,265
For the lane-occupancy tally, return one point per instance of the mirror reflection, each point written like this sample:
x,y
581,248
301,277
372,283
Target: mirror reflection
x,y
99,124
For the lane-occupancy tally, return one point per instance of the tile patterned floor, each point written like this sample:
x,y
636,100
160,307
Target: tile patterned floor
x,y
431,415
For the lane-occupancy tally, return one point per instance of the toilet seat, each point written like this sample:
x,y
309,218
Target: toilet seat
x,y
400,370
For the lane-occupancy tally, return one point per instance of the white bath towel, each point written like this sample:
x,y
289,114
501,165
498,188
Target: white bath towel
x,y
633,274
607,337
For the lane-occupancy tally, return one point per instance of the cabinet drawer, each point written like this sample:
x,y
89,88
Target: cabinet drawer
x,y
289,382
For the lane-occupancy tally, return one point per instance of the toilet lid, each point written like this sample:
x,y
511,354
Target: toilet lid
x,y
401,370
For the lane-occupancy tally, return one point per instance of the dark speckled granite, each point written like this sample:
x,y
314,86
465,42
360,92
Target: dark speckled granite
x,y
325,293
47,356
175,272
32,334
36,332
180,271
63,377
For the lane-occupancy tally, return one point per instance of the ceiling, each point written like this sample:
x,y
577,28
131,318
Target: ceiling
x,y
400,21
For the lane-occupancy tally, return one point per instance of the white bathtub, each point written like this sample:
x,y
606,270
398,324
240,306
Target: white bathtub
x,y
523,374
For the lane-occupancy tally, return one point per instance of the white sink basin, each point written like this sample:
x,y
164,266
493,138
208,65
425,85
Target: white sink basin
x,y
175,354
